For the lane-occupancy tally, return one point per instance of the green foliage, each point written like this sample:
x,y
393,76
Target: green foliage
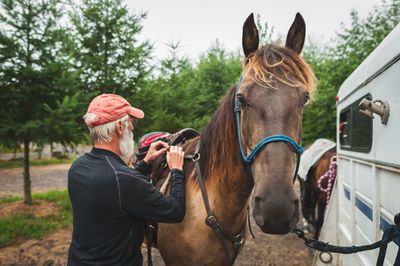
x,y
34,72
108,54
27,225
7,148
332,65
164,98
215,73
64,124
23,225
10,199
186,95
266,32
60,197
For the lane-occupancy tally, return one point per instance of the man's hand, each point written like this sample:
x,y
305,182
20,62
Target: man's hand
x,y
156,148
175,157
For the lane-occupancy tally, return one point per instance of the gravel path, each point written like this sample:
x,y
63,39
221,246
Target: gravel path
x,y
43,178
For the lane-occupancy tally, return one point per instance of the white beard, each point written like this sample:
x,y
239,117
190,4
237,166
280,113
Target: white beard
x,y
126,144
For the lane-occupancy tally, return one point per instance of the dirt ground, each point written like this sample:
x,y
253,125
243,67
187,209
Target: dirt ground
x,y
38,208
269,250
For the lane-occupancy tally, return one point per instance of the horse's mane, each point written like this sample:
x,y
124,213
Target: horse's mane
x,y
219,136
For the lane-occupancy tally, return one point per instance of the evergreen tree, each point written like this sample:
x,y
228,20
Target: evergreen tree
x,y
34,72
214,74
164,98
108,54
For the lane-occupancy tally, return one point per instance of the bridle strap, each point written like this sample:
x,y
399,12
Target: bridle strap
x,y
211,219
275,138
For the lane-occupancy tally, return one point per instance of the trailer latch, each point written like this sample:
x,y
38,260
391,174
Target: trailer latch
x,y
382,109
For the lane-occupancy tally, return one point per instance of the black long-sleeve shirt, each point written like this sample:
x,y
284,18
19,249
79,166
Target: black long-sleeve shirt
x,y
111,203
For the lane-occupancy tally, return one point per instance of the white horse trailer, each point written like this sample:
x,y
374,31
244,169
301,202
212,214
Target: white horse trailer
x,y
366,195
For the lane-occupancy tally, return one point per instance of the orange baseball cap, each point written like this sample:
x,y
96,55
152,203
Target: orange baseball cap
x,y
110,107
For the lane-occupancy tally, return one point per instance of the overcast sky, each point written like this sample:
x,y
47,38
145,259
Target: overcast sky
x,y
197,24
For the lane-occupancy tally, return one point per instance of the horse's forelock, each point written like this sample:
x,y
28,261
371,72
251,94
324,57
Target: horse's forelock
x,y
280,62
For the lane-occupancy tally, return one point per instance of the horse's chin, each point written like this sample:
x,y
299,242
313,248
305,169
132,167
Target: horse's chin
x,y
277,229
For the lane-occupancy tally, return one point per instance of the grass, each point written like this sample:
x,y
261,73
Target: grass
x,y
35,162
19,226
10,199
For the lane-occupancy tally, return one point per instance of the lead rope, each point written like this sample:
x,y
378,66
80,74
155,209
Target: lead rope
x,y
390,234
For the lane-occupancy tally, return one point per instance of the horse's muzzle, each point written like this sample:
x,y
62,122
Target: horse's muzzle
x,y
275,216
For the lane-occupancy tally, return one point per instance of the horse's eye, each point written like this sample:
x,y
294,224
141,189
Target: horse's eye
x,y
241,100
306,99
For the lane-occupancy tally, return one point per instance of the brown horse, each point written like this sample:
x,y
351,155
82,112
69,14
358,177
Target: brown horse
x,y
276,85
313,200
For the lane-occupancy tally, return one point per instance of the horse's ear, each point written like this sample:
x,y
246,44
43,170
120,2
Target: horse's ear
x,y
250,36
297,34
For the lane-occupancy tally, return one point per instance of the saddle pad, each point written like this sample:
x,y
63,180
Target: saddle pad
x,y
150,139
312,155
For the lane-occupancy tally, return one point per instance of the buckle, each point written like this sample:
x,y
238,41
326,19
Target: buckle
x,y
239,240
164,164
211,220
196,157
152,227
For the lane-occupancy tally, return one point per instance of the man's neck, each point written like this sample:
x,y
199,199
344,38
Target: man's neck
x,y
111,146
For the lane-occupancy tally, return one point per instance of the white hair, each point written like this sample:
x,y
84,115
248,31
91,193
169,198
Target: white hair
x,y
105,132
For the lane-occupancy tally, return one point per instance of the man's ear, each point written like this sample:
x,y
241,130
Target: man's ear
x,y
118,128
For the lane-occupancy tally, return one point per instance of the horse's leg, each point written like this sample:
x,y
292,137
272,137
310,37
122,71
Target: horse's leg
x,y
321,212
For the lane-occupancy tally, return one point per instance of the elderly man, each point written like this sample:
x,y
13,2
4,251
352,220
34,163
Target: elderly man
x,y
111,201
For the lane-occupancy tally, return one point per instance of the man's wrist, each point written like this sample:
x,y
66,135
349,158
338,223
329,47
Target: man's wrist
x,y
177,170
144,167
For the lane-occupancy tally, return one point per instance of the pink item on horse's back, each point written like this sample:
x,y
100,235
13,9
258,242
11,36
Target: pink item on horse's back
x,y
150,139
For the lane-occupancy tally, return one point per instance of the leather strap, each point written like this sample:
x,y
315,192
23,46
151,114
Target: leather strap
x,y
211,219
248,221
149,238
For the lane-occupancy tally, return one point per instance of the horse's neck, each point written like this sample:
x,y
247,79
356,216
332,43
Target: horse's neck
x,y
228,180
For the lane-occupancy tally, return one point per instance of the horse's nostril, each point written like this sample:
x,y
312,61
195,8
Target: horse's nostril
x,y
296,201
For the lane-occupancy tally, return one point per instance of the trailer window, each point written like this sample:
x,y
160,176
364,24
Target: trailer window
x,y
355,128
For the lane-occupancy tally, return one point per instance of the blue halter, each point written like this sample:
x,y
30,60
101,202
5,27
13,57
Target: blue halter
x,y
275,138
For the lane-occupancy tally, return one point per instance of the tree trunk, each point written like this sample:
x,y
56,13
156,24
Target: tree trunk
x,y
27,177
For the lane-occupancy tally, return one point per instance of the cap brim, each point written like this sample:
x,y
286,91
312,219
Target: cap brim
x,y
136,113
